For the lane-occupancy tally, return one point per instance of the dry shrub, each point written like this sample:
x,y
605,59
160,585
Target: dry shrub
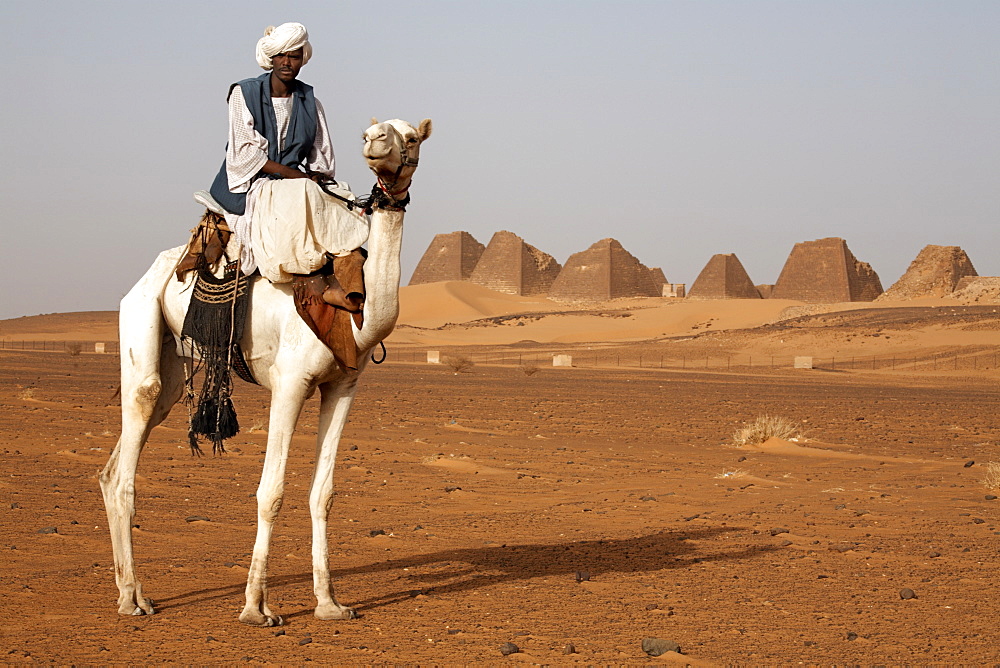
x,y
458,363
992,477
765,427
74,349
530,369
27,393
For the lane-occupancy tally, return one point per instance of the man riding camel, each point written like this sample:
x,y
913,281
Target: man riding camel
x,y
285,223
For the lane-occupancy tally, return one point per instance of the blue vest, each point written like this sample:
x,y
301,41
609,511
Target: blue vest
x,y
298,140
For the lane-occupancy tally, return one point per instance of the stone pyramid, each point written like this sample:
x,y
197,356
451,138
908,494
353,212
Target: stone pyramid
x,y
723,278
450,257
935,272
604,271
825,271
659,278
510,265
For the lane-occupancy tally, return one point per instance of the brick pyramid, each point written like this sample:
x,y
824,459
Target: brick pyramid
x,y
825,271
450,257
510,265
604,271
935,272
723,278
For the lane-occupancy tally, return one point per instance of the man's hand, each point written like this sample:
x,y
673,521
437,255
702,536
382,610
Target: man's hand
x,y
272,167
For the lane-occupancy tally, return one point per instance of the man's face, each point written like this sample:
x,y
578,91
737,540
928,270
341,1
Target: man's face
x,y
286,65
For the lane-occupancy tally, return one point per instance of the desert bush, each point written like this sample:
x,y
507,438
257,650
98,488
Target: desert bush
x,y
74,348
765,427
458,363
27,393
530,369
992,477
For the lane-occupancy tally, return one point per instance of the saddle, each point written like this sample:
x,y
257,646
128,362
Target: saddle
x,y
342,277
207,245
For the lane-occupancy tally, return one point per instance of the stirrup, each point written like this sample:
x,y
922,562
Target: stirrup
x,y
205,198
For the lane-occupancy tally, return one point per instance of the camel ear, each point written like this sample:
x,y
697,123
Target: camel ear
x,y
374,121
425,129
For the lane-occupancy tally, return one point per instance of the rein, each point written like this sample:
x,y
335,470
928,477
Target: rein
x,y
382,195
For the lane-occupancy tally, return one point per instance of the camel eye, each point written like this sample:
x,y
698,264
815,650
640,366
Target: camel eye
x,y
411,140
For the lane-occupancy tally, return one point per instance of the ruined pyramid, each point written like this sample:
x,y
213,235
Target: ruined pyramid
x,y
604,271
510,265
825,271
450,257
935,272
723,278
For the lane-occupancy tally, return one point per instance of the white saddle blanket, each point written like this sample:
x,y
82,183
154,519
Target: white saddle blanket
x,y
295,224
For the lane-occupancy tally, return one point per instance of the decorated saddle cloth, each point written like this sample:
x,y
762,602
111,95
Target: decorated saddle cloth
x,y
212,329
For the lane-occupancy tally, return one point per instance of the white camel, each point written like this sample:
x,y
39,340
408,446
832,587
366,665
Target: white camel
x,y
285,356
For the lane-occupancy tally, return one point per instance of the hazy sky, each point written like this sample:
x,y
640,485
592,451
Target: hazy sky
x,y
682,129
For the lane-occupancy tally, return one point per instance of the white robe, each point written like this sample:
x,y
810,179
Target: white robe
x,y
289,224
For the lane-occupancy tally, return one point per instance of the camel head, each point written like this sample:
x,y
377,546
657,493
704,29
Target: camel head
x,y
392,149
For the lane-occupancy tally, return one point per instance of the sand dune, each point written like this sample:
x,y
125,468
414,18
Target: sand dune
x,y
439,315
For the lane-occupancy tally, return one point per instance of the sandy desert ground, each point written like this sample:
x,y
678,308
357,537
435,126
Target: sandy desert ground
x,y
582,508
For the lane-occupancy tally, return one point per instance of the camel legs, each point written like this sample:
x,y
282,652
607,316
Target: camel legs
x,y
287,396
152,381
336,403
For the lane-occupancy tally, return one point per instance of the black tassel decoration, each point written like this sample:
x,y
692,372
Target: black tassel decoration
x,y
214,324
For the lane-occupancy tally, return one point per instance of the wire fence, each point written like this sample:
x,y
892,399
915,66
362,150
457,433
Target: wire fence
x,y
70,347
974,360
959,361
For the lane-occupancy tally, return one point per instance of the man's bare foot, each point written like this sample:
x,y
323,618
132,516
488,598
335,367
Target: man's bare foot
x,y
335,296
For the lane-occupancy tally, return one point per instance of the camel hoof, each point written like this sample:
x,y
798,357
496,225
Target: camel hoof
x,y
335,612
136,609
257,618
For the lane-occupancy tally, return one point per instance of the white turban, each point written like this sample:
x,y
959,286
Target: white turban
x,y
286,37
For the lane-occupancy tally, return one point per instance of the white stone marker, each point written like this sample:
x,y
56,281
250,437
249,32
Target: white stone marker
x,y
433,356
562,360
803,362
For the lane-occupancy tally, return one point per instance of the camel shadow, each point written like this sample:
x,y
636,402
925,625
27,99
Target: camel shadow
x,y
463,569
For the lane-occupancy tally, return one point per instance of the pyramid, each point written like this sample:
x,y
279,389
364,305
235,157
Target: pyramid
x,y
935,272
450,257
723,278
510,265
825,271
978,290
604,271
659,278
